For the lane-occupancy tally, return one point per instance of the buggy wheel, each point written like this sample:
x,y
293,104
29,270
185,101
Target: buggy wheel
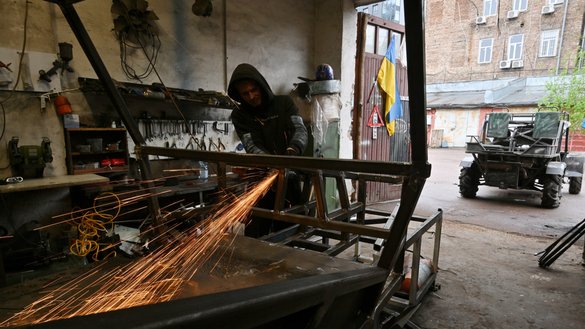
x,y
575,185
551,191
469,181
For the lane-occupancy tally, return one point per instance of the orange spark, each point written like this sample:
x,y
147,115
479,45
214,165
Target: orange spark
x,y
154,278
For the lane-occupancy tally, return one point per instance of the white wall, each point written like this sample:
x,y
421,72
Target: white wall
x,y
456,125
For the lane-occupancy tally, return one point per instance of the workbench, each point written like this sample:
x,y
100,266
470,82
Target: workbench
x,y
31,184
34,184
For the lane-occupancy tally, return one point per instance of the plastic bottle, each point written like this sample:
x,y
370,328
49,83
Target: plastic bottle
x,y
203,170
425,269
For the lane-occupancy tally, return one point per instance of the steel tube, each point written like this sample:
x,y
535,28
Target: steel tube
x,y
290,162
331,225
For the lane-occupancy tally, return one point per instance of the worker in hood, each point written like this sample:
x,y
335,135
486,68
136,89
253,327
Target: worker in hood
x,y
266,123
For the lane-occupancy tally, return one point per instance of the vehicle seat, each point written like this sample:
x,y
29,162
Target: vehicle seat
x,y
546,126
498,125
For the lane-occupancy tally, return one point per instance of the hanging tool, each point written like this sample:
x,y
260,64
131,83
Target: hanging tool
x,y
223,131
11,180
200,145
5,66
218,147
65,56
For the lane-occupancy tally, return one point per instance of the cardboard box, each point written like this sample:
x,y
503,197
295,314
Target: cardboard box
x,y
71,121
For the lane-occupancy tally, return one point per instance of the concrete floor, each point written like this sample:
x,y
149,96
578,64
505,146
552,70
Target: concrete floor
x,y
489,276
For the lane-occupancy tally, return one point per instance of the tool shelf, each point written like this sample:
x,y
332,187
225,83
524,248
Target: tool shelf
x,y
92,150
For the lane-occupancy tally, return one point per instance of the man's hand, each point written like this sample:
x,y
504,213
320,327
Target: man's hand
x,y
291,150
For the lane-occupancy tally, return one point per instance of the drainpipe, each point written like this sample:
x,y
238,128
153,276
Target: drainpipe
x,y
225,46
581,58
561,39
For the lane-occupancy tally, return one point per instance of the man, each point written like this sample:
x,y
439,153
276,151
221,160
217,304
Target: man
x,y
266,124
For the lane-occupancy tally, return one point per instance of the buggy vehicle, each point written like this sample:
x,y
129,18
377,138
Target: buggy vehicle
x,y
522,151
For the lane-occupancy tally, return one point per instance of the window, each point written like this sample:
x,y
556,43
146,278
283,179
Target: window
x,y
396,11
520,5
515,44
490,7
382,41
555,2
370,39
376,10
378,38
548,43
485,50
388,9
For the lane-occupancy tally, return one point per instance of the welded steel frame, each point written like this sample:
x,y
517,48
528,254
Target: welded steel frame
x,y
389,268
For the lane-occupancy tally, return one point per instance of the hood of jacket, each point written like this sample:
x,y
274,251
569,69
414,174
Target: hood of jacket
x,y
248,72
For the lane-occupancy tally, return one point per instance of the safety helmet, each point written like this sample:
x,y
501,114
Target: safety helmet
x,y
324,72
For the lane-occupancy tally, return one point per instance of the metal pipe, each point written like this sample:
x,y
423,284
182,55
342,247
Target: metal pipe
x,y
370,231
358,88
561,37
100,69
290,162
112,91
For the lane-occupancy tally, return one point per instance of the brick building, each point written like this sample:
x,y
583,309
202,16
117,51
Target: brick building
x,y
486,54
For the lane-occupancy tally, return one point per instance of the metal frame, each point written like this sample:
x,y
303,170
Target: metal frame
x,y
359,296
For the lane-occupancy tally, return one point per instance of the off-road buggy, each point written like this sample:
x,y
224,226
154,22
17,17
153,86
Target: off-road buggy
x,y
522,151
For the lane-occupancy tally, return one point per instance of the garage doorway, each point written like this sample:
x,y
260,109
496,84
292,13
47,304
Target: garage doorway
x,y
374,35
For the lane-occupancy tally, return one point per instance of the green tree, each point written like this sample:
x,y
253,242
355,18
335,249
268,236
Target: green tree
x,y
567,92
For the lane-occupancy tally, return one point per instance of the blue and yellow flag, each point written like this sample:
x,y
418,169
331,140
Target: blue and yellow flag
x,y
388,81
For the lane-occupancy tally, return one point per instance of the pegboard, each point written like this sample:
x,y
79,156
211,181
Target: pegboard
x,y
32,63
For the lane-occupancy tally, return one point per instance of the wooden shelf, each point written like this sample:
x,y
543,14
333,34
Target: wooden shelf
x,y
105,170
97,153
97,140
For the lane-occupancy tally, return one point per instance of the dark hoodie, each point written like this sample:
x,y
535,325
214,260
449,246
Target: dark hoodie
x,y
272,127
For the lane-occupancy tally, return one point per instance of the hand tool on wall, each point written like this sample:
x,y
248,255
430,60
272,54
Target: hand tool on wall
x,y
217,146
223,131
5,66
11,180
65,55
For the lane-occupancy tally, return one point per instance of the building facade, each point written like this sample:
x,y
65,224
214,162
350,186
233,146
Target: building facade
x,y
483,55
469,40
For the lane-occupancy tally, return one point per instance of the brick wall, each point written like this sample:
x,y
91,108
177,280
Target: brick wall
x,y
577,142
452,39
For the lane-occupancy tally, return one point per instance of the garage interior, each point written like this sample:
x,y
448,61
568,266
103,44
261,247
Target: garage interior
x,y
134,140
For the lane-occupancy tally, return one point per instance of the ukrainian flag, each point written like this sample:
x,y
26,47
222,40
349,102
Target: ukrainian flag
x,y
388,81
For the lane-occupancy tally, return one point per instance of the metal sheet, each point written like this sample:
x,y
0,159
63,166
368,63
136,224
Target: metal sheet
x,y
238,264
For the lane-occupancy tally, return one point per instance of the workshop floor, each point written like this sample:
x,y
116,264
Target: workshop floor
x,y
491,279
489,276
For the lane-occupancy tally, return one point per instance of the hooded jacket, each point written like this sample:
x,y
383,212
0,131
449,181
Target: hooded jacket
x,y
270,128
